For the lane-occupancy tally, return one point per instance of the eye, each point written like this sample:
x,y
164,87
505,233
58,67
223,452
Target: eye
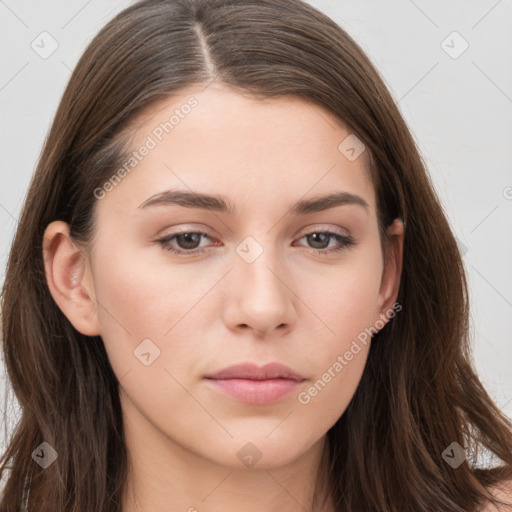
x,y
189,241
322,239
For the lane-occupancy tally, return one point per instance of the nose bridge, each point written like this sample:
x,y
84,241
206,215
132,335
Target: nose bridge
x,y
258,264
261,298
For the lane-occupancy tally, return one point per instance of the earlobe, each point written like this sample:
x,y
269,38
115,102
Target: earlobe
x,y
69,278
391,274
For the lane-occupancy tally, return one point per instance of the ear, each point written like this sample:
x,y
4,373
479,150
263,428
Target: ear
x,y
69,278
392,271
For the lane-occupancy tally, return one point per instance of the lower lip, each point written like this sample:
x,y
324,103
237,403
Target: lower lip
x,y
257,392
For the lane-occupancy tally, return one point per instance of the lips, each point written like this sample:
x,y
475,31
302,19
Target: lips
x,y
256,385
253,372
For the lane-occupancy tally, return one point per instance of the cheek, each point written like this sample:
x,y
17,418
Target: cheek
x,y
139,301
345,297
329,393
346,302
340,352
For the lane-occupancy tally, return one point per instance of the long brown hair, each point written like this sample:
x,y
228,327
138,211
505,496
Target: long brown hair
x,y
419,392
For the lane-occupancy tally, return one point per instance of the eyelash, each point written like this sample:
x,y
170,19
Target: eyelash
x,y
347,242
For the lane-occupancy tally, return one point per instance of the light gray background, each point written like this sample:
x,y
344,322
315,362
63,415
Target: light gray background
x,y
458,110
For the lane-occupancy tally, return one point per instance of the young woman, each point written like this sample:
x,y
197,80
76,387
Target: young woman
x,y
233,286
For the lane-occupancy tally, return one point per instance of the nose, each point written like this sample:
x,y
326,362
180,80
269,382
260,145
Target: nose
x,y
260,296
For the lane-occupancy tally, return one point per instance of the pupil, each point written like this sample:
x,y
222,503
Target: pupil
x,y
321,235
187,238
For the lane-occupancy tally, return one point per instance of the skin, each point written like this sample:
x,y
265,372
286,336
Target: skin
x,y
212,310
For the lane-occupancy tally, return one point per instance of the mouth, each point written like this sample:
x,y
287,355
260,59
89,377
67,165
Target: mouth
x,y
252,384
255,392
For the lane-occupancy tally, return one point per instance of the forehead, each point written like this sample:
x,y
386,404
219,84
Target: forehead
x,y
251,150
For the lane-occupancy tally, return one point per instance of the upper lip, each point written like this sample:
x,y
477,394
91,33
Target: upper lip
x,y
253,372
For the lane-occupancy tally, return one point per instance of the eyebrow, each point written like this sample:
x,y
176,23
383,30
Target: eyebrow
x,y
190,199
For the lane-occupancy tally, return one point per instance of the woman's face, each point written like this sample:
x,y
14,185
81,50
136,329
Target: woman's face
x,y
260,284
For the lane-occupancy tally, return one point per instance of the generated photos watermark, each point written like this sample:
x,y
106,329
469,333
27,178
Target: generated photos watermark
x,y
152,140
304,397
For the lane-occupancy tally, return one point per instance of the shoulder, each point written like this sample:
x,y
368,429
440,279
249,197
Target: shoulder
x,y
503,492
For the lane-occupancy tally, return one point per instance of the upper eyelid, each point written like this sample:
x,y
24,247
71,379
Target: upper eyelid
x,y
314,228
301,234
